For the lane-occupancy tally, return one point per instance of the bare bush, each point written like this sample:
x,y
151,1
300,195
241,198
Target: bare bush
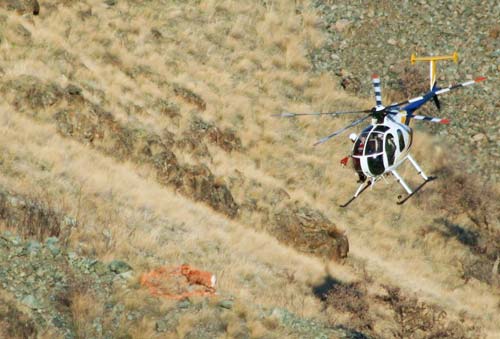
x,y
464,193
29,217
14,323
348,298
418,319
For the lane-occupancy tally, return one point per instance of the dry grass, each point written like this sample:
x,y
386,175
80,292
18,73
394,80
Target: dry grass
x,y
15,321
84,310
239,74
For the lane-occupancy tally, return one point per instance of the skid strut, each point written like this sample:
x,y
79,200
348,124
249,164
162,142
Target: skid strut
x,y
417,167
416,190
402,182
360,190
405,185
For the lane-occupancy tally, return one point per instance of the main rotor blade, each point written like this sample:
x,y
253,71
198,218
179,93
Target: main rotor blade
x,y
463,84
426,118
440,91
292,115
352,124
377,90
409,101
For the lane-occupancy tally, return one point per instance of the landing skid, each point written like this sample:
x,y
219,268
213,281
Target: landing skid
x,y
360,190
399,179
416,190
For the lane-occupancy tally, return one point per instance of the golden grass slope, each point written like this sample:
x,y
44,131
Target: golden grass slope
x,y
246,60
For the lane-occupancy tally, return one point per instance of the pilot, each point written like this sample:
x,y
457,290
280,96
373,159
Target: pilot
x,y
361,145
356,161
390,147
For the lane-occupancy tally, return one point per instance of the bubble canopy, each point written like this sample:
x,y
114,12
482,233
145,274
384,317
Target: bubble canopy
x,y
375,149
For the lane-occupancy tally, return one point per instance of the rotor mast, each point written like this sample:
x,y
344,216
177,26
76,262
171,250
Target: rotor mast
x,y
432,63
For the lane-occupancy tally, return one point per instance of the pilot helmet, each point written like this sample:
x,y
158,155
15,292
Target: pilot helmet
x,y
353,136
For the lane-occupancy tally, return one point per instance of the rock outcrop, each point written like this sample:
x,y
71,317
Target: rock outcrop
x,y
309,231
21,6
79,119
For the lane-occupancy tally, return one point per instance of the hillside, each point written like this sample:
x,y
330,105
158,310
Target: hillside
x,y
138,134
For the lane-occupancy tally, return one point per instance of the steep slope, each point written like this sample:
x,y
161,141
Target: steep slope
x,y
148,124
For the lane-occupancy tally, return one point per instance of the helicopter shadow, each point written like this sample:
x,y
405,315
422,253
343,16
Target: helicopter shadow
x,y
322,290
330,286
464,236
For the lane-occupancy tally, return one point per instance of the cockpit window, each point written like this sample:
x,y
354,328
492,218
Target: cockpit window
x,y
359,146
376,164
381,128
390,148
367,129
374,144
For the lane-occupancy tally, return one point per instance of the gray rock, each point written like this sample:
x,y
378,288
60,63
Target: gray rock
x,y
70,221
58,321
97,325
227,304
496,53
184,303
161,326
54,250
51,241
132,315
73,90
100,269
14,239
119,266
125,275
341,25
32,302
33,247
88,263
478,137
51,245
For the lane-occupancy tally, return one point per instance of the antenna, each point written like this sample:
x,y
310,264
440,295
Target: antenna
x,y
432,66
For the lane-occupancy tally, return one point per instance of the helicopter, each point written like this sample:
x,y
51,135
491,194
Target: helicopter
x,y
384,145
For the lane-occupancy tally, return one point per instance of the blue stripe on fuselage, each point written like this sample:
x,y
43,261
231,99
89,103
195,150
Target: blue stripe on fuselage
x,y
410,108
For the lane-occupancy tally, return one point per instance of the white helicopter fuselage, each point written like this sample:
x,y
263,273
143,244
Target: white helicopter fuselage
x,y
381,148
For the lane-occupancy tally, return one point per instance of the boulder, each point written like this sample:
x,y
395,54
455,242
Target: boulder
x,y
225,139
309,231
119,266
199,183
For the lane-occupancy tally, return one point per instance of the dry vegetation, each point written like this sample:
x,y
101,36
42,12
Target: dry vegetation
x,y
14,322
149,124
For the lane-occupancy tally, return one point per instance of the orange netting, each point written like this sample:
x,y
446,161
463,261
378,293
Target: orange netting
x,y
179,282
